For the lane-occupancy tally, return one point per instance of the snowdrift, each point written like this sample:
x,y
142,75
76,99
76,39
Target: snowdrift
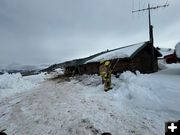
x,y
15,83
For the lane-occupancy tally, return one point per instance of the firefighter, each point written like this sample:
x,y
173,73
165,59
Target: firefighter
x,y
105,72
102,70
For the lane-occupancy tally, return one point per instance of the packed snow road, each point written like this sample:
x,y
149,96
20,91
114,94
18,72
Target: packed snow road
x,y
137,105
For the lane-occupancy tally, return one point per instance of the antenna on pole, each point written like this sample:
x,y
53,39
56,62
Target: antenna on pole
x,y
149,8
151,38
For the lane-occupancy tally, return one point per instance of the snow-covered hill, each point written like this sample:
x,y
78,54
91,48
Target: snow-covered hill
x,y
137,105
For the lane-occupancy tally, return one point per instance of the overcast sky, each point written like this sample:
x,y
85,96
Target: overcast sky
x,y
52,31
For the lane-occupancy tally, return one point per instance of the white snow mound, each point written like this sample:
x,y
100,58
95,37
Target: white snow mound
x,y
15,83
166,51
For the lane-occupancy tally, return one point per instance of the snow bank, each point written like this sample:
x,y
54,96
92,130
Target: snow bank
x,y
134,89
15,83
177,48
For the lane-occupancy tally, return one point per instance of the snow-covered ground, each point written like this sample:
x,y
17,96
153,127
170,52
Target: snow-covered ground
x,y
137,105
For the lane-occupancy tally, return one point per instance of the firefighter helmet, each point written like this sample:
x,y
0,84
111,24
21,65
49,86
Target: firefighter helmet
x,y
107,63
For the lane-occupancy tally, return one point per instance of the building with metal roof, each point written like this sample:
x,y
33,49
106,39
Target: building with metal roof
x,y
141,57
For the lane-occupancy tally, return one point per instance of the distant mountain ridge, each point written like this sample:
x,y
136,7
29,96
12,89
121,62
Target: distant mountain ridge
x,y
23,69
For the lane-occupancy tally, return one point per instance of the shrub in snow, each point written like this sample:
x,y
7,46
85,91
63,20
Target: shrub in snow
x,y
132,87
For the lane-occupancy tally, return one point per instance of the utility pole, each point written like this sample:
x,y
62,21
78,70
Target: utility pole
x,y
151,38
149,8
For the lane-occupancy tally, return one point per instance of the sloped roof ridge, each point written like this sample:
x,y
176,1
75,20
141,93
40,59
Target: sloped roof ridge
x,y
109,54
128,46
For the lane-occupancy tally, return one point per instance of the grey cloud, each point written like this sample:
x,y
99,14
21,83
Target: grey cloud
x,y
40,31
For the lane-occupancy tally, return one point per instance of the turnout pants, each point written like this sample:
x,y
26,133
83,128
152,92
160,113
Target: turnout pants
x,y
107,84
